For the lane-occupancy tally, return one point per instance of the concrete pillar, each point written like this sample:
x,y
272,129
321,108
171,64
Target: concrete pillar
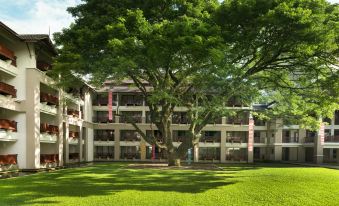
x,y
278,140
223,120
32,104
250,143
318,149
66,142
223,146
301,149
89,144
60,142
80,143
116,144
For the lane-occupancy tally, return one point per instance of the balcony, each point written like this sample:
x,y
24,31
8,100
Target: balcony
x,y
102,117
48,109
237,121
10,159
131,100
48,133
236,139
73,112
210,139
334,138
8,125
309,139
129,135
130,119
73,137
180,118
209,153
290,139
43,66
8,61
49,99
104,135
73,157
49,158
6,89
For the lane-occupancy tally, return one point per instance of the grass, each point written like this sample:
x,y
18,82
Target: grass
x,y
116,184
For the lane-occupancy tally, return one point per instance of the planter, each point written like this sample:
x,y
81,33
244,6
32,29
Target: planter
x,y
8,125
7,89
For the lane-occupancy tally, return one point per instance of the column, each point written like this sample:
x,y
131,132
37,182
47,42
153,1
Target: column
x,y
278,140
301,149
116,144
66,142
80,143
60,141
89,141
250,143
318,146
32,105
223,146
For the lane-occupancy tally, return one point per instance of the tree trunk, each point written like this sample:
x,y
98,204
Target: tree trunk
x,y
173,160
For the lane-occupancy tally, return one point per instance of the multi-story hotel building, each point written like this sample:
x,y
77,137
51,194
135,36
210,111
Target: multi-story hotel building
x,y
44,126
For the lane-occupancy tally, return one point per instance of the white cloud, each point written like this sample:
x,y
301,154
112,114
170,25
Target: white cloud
x,y
42,15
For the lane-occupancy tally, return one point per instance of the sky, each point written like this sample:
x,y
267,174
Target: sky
x,y
40,16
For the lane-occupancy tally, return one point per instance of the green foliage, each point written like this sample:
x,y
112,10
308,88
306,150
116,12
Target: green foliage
x,y
260,50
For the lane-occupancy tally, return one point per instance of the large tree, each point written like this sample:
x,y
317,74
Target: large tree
x,y
201,54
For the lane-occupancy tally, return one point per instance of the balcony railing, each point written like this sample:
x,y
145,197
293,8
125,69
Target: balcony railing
x,y
7,54
129,138
258,139
130,119
7,89
290,140
309,140
10,159
131,101
334,138
49,98
43,66
73,113
109,155
237,121
73,134
236,139
8,125
49,158
211,139
51,129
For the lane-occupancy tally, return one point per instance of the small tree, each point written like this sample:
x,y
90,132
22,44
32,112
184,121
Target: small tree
x,y
201,54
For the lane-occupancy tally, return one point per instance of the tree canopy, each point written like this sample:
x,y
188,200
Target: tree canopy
x,y
201,54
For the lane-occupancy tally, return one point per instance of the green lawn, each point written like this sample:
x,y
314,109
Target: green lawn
x,y
115,184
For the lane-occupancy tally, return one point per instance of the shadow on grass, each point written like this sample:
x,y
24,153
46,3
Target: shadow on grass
x,y
106,179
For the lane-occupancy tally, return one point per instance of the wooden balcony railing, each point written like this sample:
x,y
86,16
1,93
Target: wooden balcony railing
x,y
236,140
130,119
7,54
49,158
334,138
10,159
72,134
309,139
7,89
51,129
211,139
8,125
43,66
73,113
50,99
